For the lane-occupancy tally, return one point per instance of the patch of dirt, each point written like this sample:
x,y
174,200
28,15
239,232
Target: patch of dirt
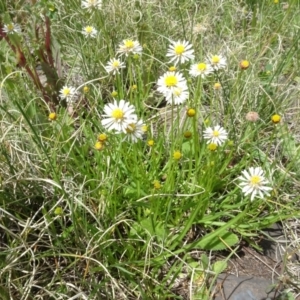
x,y
252,263
251,273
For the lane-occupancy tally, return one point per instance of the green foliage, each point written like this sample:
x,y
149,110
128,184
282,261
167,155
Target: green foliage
x,y
122,220
225,240
4,294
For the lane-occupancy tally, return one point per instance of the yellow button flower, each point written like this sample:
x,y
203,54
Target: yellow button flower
x,y
244,64
177,155
52,116
99,146
191,112
276,119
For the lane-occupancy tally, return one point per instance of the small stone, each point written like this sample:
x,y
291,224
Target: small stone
x,y
230,287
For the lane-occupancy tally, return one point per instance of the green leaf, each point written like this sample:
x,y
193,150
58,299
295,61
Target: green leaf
x,y
124,270
212,240
205,261
187,148
161,231
4,295
149,227
220,242
193,264
290,148
219,266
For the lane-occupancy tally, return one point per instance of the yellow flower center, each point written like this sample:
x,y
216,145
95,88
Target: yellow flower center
x,y
114,93
99,146
216,133
187,134
276,119
150,143
58,211
117,114
172,69
212,146
244,64
171,80
215,59
255,180
201,67
51,7
102,137
66,91
191,112
179,49
52,116
116,64
88,29
156,184
177,155
217,86
129,44
10,27
131,128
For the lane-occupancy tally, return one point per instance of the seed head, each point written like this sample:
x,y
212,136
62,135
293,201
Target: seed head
x,y
252,116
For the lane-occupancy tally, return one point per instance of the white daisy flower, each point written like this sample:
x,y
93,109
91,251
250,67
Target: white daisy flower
x,y
217,135
177,95
91,4
217,62
89,31
169,81
135,131
11,28
254,183
130,46
67,93
180,52
118,116
114,66
200,69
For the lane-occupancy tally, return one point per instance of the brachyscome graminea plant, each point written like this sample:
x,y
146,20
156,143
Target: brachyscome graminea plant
x,y
89,31
114,66
254,183
216,135
11,28
91,4
116,208
118,116
180,52
68,93
170,81
129,47
217,62
134,131
200,69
